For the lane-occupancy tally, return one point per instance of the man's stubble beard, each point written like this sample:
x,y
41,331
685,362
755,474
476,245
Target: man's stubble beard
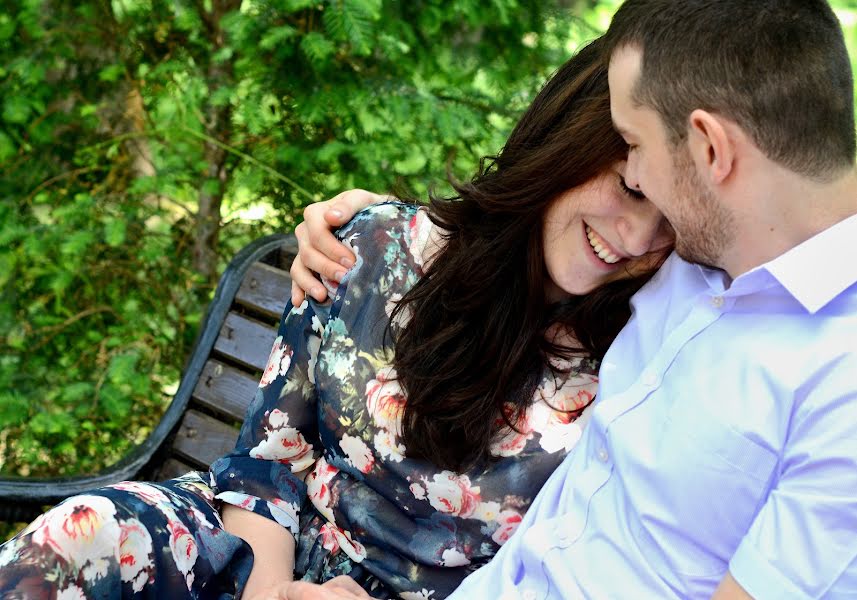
x,y
704,228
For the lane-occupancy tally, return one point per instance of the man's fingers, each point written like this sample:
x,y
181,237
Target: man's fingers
x,y
320,237
347,584
301,590
318,249
345,205
298,294
305,282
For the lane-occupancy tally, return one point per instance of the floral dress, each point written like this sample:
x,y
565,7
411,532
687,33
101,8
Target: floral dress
x,y
320,454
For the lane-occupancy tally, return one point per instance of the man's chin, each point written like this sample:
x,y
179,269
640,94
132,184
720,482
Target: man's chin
x,y
693,255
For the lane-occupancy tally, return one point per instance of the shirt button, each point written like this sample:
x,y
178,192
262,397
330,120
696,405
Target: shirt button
x,y
717,301
650,378
528,595
562,538
602,454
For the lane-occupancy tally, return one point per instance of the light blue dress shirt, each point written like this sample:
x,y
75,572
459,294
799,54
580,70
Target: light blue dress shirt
x,y
724,437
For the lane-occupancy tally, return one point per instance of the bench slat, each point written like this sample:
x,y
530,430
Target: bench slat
x,y
265,290
246,341
173,468
202,439
225,390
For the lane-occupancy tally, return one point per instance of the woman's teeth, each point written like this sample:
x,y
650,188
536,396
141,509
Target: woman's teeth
x,y
599,246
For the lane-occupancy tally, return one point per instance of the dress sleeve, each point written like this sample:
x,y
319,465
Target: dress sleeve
x,y
802,544
279,438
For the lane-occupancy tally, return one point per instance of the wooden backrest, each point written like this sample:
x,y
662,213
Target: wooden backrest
x,y
231,374
218,382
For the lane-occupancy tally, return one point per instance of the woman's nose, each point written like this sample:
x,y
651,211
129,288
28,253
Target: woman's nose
x,y
642,230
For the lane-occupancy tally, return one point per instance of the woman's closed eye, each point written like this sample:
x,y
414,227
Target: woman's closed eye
x,y
635,194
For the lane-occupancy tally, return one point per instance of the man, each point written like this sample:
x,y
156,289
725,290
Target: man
x,y
721,457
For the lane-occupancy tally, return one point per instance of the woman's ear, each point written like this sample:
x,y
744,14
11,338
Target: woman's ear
x,y
711,147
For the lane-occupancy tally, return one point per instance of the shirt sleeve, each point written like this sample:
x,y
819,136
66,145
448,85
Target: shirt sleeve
x,y
279,437
802,543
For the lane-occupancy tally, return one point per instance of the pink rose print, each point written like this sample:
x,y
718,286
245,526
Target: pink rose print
x,y
283,443
509,521
184,550
319,489
82,530
385,400
146,492
357,452
452,494
329,540
342,540
135,554
388,446
417,239
278,362
509,441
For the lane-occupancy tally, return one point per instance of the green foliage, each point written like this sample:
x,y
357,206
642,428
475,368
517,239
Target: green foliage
x,y
118,122
122,122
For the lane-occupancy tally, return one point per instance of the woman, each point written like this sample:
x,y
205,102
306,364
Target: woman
x,y
401,431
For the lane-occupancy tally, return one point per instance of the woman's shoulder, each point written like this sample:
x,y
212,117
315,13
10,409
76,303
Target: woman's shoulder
x,y
391,216
406,225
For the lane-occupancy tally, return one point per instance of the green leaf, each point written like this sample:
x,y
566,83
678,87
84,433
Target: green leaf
x,y
16,109
349,21
114,232
77,243
7,148
77,392
111,73
13,408
277,36
52,423
122,367
296,5
115,403
223,55
7,27
317,47
410,165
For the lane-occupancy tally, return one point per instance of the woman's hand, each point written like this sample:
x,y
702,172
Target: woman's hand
x,y
318,249
338,588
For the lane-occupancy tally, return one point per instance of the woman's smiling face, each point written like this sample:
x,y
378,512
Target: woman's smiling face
x,y
599,232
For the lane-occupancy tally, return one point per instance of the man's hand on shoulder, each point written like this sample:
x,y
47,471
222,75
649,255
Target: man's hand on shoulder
x,y
318,249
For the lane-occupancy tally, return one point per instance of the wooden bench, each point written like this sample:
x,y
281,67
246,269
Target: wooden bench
x,y
219,381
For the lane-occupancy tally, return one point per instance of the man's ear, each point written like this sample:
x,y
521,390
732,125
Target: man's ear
x,y
710,146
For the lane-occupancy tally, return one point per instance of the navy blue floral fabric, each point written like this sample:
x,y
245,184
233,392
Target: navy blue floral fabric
x,y
320,451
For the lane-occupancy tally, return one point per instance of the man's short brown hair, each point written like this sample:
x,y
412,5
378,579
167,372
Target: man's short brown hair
x,y
778,68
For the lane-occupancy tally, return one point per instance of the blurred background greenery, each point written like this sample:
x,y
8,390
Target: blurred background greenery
x,y
142,142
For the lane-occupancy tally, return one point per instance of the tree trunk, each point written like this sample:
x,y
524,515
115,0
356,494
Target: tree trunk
x,y
218,126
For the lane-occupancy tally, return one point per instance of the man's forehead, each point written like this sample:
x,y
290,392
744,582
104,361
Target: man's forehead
x,y
622,76
624,65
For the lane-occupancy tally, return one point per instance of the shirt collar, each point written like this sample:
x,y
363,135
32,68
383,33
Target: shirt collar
x,y
818,270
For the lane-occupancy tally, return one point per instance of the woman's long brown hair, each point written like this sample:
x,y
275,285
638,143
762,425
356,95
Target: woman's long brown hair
x,y
475,344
